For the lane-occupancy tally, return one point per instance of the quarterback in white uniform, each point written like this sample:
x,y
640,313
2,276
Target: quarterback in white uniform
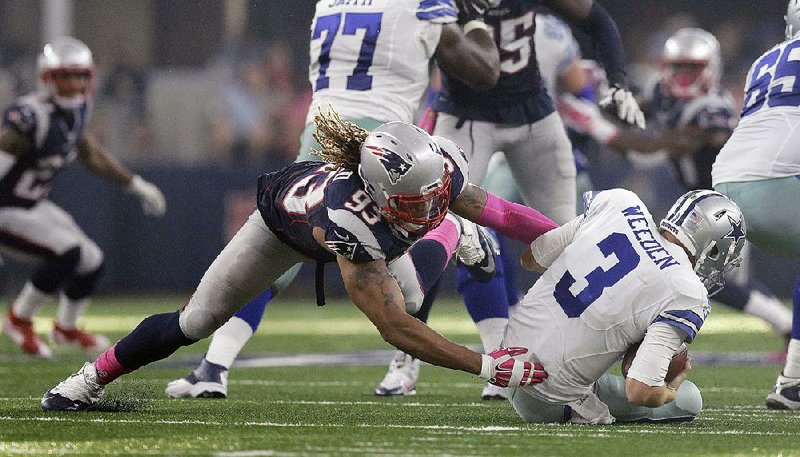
x,y
613,278
759,168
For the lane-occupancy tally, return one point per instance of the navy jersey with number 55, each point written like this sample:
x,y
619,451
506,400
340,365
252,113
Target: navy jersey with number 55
x,y
305,195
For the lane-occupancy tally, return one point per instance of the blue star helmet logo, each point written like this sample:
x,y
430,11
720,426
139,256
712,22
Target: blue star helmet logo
x,y
736,232
394,164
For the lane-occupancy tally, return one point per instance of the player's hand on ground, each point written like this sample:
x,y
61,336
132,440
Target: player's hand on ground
x,y
585,117
627,108
500,368
153,201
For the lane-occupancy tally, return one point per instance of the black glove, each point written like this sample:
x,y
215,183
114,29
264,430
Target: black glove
x,y
470,10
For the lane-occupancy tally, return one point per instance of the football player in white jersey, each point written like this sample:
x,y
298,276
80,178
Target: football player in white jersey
x,y
612,278
759,168
691,118
370,60
41,134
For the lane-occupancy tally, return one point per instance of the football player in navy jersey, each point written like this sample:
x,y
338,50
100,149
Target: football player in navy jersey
x,y
374,196
517,117
759,168
42,133
350,71
691,119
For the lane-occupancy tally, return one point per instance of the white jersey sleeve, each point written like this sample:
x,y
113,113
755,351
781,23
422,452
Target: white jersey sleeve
x,y
371,59
655,353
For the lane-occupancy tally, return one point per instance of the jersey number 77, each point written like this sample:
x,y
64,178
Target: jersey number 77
x,y
350,24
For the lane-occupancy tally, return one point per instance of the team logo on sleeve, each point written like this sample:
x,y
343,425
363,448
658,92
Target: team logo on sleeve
x,y
394,164
345,245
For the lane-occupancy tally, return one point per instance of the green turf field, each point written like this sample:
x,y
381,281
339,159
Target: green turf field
x,y
330,410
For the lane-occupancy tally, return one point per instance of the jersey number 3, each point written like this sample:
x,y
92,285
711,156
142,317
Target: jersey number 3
x,y
353,22
598,279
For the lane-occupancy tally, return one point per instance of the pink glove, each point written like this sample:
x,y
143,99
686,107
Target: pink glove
x,y
500,368
428,120
584,117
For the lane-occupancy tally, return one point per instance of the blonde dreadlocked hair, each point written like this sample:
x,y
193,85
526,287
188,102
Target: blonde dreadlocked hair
x,y
340,140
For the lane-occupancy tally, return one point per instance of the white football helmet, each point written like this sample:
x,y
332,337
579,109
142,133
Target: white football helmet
x,y
792,19
711,227
403,172
690,63
65,57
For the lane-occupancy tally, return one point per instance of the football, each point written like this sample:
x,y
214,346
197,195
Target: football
x,y
675,365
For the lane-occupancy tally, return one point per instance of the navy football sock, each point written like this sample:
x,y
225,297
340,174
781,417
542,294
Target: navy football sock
x,y
427,303
254,311
155,338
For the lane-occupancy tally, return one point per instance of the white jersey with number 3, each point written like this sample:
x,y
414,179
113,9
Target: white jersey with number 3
x,y
616,277
369,58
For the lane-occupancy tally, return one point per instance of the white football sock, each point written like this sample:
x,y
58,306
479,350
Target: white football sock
x,y
28,302
771,310
69,311
792,367
491,331
228,340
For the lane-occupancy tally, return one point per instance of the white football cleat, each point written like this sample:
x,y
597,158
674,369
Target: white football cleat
x,y
493,392
76,393
785,394
401,379
208,380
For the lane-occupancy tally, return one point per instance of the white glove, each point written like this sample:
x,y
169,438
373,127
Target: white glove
x,y
584,117
627,108
153,202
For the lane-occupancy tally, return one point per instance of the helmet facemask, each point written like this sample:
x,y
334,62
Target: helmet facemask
x,y
715,262
418,213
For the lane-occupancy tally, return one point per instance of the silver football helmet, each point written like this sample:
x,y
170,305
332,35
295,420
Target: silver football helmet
x,y
65,57
792,19
711,227
690,63
403,172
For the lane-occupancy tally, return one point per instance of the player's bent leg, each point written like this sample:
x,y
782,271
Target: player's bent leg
x,y
535,411
687,405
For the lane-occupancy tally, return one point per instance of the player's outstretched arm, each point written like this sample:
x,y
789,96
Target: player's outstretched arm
x,y
513,220
100,161
471,57
376,293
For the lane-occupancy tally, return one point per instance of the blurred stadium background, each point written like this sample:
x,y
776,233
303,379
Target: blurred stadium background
x,y
202,96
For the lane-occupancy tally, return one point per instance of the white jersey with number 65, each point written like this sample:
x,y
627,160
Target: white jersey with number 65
x,y
369,58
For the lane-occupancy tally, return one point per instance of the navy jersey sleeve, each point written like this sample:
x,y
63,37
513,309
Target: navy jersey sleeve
x,y
20,117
